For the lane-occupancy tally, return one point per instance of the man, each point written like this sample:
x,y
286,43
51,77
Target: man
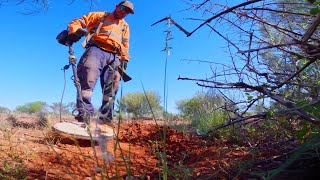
x,y
106,49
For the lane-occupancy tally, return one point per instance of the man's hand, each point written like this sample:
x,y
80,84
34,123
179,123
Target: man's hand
x,y
81,32
72,38
76,36
123,65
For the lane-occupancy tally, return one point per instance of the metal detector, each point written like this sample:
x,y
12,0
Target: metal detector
x,y
75,130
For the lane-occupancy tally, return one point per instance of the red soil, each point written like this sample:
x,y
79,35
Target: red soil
x,y
40,154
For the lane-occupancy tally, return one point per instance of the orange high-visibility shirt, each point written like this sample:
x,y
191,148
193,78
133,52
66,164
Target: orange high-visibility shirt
x,y
114,33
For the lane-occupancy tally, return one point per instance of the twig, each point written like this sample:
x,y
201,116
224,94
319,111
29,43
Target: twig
x,y
224,12
278,11
269,47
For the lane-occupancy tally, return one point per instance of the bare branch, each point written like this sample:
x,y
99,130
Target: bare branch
x,y
278,11
224,12
296,73
174,23
269,47
229,41
311,29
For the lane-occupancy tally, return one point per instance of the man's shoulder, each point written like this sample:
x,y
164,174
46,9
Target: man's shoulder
x,y
125,22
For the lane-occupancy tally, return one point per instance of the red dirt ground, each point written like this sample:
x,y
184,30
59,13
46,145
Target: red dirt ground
x,y
33,153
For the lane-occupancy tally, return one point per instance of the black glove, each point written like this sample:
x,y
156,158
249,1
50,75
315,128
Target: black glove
x,y
123,65
72,38
81,32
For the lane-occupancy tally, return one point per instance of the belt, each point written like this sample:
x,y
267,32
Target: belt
x,y
111,48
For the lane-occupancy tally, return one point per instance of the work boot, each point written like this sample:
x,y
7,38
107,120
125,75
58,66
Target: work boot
x,y
79,118
105,118
83,118
105,114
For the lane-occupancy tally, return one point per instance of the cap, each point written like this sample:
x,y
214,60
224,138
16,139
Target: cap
x,y
128,4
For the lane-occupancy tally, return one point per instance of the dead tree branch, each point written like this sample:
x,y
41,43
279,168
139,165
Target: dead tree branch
x,y
224,12
280,55
311,29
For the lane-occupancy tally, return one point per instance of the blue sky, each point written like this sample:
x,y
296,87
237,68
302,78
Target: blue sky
x,y
31,58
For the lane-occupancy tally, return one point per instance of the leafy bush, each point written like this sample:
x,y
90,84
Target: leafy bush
x,y
209,120
139,103
4,110
204,110
33,107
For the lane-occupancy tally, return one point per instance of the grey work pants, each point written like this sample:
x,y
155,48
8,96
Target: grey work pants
x,y
93,64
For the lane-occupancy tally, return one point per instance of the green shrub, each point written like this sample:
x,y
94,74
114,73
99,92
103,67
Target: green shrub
x,y
209,121
33,107
204,110
138,104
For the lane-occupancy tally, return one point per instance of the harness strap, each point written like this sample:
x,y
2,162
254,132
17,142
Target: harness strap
x,y
94,30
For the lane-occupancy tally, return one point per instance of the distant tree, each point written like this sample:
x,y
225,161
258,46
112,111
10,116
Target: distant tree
x,y
4,110
32,107
71,106
137,103
56,108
